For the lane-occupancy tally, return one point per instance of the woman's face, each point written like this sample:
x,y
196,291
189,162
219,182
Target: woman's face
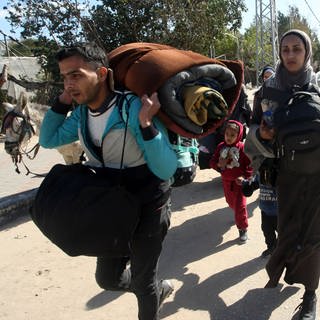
x,y
293,53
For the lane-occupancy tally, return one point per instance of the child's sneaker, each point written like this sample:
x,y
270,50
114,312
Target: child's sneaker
x,y
243,236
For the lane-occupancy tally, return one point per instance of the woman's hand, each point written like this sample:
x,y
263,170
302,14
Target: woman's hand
x,y
149,108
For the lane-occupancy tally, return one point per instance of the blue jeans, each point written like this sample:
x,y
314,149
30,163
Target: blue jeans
x,y
141,277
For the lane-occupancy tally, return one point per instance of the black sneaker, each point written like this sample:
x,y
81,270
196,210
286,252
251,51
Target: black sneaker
x,y
243,236
308,307
166,288
267,252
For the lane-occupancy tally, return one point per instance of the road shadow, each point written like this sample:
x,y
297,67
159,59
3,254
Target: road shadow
x,y
258,303
190,194
200,237
194,240
191,241
15,221
212,189
102,298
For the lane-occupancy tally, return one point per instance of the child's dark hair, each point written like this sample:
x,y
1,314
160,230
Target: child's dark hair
x,y
232,125
90,52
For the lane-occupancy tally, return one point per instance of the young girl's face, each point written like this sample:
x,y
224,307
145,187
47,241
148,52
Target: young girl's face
x,y
230,135
293,53
267,75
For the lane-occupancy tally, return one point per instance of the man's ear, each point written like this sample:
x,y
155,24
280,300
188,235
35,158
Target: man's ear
x,y
102,73
110,79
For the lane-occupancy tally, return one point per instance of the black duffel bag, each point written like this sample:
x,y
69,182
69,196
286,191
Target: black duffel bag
x,y
80,212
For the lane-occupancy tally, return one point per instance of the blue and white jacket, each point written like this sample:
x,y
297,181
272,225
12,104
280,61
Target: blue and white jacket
x,y
155,151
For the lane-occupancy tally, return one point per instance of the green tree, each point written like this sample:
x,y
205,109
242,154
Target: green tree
x,y
21,48
55,20
294,20
187,24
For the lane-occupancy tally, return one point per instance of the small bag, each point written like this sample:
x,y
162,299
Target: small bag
x,y
187,152
82,214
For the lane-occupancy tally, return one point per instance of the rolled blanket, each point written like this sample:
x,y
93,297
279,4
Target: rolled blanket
x,y
203,103
148,67
214,76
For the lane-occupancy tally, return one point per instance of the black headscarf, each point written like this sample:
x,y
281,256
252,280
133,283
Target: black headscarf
x,y
286,80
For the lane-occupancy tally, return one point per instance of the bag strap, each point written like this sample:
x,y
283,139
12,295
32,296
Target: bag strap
x,y
122,104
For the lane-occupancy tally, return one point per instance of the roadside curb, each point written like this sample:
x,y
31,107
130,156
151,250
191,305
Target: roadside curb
x,y
16,205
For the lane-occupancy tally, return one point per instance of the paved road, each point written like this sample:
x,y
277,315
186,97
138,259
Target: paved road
x,y
214,276
11,182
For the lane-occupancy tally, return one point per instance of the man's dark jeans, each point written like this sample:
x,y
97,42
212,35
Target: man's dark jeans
x,y
141,276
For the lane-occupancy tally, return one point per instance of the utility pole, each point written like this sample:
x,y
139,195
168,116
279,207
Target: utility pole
x,y
266,34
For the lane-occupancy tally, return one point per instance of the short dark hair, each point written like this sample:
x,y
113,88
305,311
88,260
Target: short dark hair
x,y
89,51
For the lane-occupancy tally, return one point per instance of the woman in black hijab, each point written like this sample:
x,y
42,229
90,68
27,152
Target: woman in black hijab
x,y
298,248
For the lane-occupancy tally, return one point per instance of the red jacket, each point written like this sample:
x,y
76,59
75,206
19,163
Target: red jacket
x,y
239,164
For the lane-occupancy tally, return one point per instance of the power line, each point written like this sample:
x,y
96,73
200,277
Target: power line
x,y
312,11
14,40
11,38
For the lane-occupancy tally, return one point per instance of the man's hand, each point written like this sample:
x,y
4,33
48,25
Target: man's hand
x,y
65,98
150,106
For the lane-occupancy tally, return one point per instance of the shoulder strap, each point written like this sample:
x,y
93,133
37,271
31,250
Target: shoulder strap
x,y
124,103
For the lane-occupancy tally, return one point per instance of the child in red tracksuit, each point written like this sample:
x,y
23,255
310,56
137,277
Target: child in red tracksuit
x,y
230,160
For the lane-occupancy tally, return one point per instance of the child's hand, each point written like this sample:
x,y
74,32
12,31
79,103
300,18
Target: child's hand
x,y
222,163
239,181
266,133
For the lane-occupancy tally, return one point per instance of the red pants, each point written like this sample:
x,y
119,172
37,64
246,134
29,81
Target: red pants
x,y
236,201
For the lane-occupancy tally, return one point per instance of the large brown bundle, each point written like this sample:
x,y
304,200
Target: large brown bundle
x,y
145,68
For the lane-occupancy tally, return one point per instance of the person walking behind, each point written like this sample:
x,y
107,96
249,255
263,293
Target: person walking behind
x,y
268,205
267,193
148,164
298,248
230,160
266,72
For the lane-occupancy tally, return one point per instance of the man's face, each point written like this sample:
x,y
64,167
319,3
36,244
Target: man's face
x,y
81,81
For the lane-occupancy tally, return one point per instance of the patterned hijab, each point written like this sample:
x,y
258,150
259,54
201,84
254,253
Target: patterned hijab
x,y
286,80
